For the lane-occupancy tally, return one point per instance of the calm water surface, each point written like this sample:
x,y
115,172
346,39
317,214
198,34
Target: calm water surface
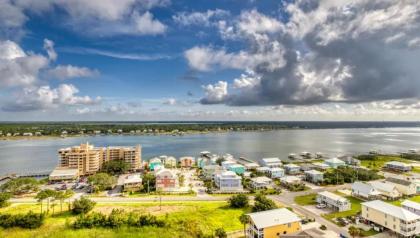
x,y
25,156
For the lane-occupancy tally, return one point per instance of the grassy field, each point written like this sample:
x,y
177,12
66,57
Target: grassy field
x,y
380,160
206,216
304,200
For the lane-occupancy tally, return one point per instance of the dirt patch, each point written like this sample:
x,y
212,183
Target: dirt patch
x,y
154,210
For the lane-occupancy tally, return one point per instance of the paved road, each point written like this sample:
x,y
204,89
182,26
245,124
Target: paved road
x,y
287,198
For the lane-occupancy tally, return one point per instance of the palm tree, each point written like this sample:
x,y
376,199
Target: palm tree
x,y
67,195
45,194
244,220
354,231
60,196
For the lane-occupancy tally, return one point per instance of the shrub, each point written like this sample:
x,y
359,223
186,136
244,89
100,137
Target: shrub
x,y
262,203
20,186
102,181
4,198
238,201
115,167
221,233
83,206
29,220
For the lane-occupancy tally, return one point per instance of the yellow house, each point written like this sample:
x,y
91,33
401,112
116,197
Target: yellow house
x,y
272,223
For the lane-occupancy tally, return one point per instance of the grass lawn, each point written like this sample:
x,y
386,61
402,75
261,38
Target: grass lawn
x,y
304,200
370,232
355,208
207,216
380,160
398,202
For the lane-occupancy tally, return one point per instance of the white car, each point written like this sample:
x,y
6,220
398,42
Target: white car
x,y
321,205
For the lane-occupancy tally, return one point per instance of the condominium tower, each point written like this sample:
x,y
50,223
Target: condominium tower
x,y
89,159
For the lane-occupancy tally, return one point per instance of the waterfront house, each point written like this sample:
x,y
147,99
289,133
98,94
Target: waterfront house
x,y
334,201
237,168
154,162
227,163
228,181
286,180
364,190
271,162
350,160
396,219
250,166
275,172
203,161
263,170
413,207
272,223
64,174
314,176
132,182
306,167
209,171
166,180
292,169
261,182
170,162
397,166
405,187
321,166
388,191
186,161
335,163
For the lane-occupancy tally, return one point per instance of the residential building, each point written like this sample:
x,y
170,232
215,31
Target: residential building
x,y
209,171
228,181
388,191
89,159
290,180
397,219
203,161
261,182
413,207
405,187
170,162
333,201
292,169
398,166
321,166
64,174
314,176
250,166
132,183
271,162
275,172
187,161
306,167
364,190
166,180
227,163
263,170
335,163
272,223
155,162
350,160
237,168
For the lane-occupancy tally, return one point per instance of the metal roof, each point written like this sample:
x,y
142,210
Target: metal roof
x,y
273,218
392,210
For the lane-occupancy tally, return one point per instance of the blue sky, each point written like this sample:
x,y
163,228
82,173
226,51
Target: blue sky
x,y
209,60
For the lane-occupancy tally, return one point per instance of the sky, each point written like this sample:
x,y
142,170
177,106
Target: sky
x,y
104,60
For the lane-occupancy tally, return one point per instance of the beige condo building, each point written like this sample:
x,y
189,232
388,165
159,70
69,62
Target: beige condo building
x,y
89,159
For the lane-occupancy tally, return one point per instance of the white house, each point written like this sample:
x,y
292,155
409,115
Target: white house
x,y
132,182
364,190
413,207
314,176
250,166
263,169
228,181
292,169
290,180
334,201
321,166
227,163
405,187
387,190
261,182
271,162
335,163
276,172
398,166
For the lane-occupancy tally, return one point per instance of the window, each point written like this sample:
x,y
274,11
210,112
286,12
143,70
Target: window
x,y
289,225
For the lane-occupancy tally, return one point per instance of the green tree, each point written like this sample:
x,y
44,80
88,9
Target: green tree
x,y
20,186
244,219
67,195
46,194
149,182
181,179
354,231
83,206
115,167
262,203
220,233
238,201
4,199
102,181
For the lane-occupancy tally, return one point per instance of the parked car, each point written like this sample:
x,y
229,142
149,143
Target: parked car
x,y
321,205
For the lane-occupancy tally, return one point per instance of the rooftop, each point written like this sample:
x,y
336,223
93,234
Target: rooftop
x,y
334,161
392,210
262,179
411,204
64,172
398,181
133,178
332,196
313,171
273,217
291,166
382,186
397,163
271,160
